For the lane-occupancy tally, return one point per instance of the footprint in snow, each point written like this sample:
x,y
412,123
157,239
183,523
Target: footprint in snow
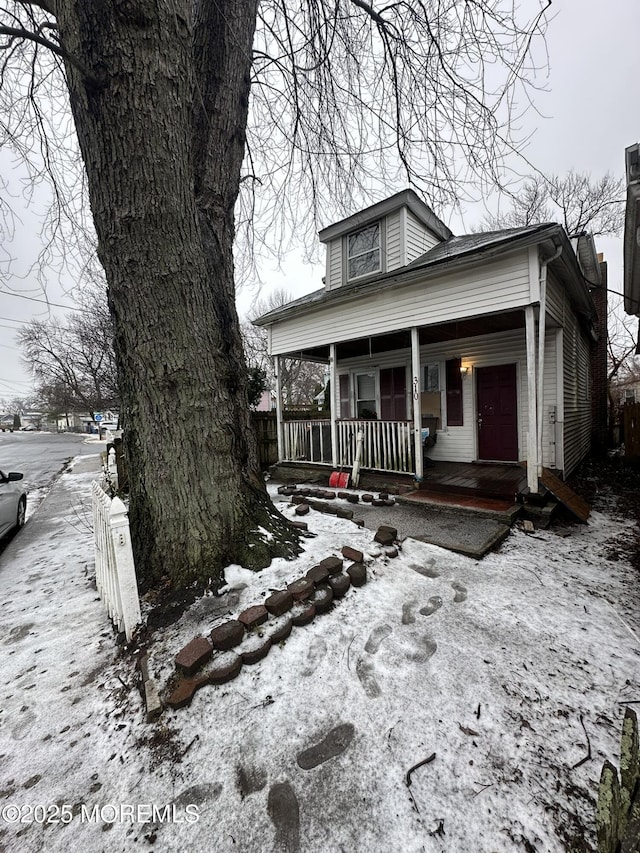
x,y
460,592
24,724
366,673
334,743
317,650
434,603
424,648
426,571
408,616
376,637
284,811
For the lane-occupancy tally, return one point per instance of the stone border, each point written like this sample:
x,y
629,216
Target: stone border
x,y
304,498
212,659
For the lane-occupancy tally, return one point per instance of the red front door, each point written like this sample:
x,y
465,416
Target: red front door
x,y
497,413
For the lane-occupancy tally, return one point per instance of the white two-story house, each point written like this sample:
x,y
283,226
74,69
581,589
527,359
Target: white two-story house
x,y
442,348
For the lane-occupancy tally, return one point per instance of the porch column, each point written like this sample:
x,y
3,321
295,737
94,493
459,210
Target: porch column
x,y
333,379
532,442
279,418
415,395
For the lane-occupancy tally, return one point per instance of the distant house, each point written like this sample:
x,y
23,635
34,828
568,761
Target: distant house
x,y
478,348
267,402
7,422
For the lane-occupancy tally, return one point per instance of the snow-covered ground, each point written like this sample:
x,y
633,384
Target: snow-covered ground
x,y
511,671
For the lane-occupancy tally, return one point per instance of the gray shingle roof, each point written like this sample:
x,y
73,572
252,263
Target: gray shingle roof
x,y
456,246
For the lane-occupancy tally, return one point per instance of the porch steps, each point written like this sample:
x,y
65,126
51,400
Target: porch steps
x,y
504,511
488,488
472,485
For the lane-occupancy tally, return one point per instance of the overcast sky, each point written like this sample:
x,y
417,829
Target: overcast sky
x,y
588,116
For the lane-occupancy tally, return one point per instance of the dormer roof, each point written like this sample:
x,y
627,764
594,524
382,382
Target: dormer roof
x,y
405,198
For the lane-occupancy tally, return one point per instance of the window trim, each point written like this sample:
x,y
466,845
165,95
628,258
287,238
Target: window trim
x,y
425,368
372,374
346,257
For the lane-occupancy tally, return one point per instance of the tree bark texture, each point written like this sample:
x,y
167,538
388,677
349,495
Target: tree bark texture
x,y
161,116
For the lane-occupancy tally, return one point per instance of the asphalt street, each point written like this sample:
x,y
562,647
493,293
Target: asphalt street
x,y
40,455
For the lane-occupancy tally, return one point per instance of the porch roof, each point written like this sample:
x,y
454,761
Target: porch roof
x,y
456,255
487,324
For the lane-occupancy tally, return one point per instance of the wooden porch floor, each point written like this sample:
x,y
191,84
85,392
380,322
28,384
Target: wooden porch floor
x,y
474,480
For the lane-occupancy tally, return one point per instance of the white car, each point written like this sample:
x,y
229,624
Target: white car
x,y
13,502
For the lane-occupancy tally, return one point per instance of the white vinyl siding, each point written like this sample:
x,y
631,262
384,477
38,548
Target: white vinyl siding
x,y
334,264
394,241
577,403
550,437
557,303
404,239
490,288
419,239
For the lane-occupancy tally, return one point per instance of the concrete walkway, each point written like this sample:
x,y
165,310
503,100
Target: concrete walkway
x,y
471,534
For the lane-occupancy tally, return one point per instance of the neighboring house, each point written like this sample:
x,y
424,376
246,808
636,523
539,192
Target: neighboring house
x,y
462,349
7,422
71,422
632,234
266,403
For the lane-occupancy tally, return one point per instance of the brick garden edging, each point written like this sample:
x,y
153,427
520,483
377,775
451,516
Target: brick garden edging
x,y
220,656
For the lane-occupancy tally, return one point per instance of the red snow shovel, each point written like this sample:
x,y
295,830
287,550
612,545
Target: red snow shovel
x,y
339,480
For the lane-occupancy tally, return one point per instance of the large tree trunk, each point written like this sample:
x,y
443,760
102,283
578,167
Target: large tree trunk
x,y
160,116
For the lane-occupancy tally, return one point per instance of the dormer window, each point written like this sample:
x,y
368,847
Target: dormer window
x,y
364,254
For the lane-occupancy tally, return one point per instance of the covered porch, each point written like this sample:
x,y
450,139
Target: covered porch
x,y
425,395
488,487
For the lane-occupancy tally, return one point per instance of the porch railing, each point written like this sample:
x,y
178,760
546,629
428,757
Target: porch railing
x,y
307,441
388,445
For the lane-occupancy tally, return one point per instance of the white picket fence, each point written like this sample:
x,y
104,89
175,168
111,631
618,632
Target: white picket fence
x,y
115,569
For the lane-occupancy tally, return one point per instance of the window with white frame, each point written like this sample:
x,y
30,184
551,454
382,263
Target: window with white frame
x,y
431,377
366,406
364,252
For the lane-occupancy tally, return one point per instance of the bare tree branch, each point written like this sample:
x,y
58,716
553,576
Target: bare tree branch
x,y
582,203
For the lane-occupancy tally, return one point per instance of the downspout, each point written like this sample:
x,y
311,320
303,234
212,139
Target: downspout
x,y
542,331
